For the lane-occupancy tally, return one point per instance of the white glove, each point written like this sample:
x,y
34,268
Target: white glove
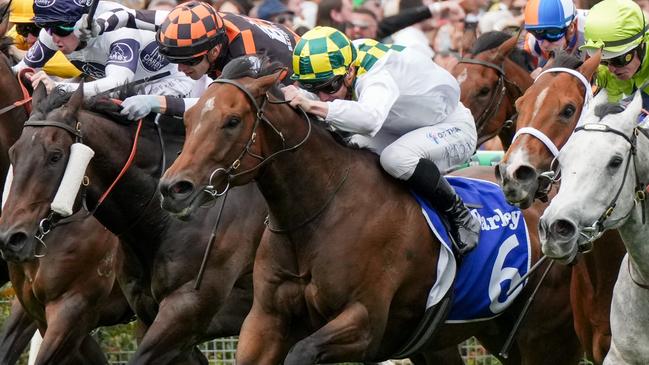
x,y
139,106
83,33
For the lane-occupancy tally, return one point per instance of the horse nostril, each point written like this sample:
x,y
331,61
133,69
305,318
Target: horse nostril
x,y
17,240
563,228
181,188
525,173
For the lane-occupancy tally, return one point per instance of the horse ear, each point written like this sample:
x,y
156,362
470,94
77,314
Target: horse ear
x,y
76,101
589,67
634,108
40,94
600,98
264,83
504,50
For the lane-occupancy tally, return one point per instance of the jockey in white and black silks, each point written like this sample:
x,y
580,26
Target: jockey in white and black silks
x,y
112,59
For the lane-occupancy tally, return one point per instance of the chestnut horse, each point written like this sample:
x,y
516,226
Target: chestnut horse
x,y
551,107
69,291
346,263
163,254
494,75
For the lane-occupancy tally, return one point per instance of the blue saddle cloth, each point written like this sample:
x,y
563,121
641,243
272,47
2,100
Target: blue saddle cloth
x,y
501,258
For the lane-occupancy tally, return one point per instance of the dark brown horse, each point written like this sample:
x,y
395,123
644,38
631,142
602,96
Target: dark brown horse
x,y
491,78
69,291
345,266
552,106
163,254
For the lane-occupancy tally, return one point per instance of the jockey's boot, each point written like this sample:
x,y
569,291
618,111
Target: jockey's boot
x,y
428,182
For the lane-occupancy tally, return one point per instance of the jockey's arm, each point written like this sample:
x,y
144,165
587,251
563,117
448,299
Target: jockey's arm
x,y
37,55
136,19
115,76
376,95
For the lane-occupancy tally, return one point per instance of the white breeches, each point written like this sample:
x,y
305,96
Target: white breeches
x,y
448,143
177,85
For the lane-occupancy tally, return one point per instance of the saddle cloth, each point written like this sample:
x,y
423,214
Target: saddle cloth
x,y
485,274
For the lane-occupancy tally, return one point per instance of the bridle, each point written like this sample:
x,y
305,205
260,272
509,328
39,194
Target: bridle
x,y
594,231
259,117
496,98
549,178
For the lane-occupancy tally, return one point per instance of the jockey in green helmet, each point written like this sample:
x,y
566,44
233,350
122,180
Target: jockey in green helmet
x,y
619,29
397,102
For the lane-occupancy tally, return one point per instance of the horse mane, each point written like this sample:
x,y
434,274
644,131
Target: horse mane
x,y
492,40
567,60
603,110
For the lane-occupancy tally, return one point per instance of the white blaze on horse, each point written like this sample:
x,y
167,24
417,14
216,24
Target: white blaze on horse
x,y
605,171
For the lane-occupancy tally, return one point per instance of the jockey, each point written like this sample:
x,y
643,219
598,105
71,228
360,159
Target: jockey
x,y
112,59
619,29
201,41
399,103
553,25
25,34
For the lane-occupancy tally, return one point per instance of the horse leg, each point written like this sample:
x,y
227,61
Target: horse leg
x,y
346,337
448,356
91,352
16,334
69,322
262,339
173,333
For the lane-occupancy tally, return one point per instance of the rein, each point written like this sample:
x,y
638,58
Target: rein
x,y
594,231
496,98
26,100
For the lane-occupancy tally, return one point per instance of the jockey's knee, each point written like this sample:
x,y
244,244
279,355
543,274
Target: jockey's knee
x,y
398,161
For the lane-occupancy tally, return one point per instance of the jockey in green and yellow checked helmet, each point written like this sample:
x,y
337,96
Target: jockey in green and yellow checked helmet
x,y
397,102
619,29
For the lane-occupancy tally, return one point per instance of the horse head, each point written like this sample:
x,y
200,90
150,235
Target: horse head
x,y
547,114
604,173
490,82
41,152
232,147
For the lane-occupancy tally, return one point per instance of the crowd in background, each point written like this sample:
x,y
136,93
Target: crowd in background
x,y
443,39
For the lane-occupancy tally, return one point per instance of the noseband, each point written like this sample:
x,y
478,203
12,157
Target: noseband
x,y
595,230
496,98
259,117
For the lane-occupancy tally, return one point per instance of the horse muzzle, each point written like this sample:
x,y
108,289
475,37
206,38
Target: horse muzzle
x,y
559,239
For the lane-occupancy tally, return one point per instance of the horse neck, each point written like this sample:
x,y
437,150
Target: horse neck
x,y
634,231
298,184
520,81
128,209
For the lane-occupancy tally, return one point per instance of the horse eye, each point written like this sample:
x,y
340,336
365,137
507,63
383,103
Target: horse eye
x,y
568,111
232,122
615,162
54,157
484,91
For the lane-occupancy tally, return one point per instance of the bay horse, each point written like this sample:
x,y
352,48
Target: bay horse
x,y
549,111
605,168
491,78
162,254
346,263
69,291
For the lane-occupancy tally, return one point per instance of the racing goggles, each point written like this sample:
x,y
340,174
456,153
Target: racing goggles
x,y
328,87
61,30
619,61
187,61
548,34
25,29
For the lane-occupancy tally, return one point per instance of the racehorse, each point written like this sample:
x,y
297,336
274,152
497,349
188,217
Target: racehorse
x,y
347,260
71,289
162,254
494,75
548,113
605,169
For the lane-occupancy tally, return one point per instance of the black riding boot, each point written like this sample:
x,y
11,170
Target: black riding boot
x,y
428,182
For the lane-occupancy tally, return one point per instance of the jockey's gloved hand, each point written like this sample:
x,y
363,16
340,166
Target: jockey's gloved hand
x,y
85,32
139,106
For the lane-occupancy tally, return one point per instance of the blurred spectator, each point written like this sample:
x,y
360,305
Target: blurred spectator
x,y
162,4
133,4
644,5
334,13
242,7
275,11
374,6
412,36
362,24
500,20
